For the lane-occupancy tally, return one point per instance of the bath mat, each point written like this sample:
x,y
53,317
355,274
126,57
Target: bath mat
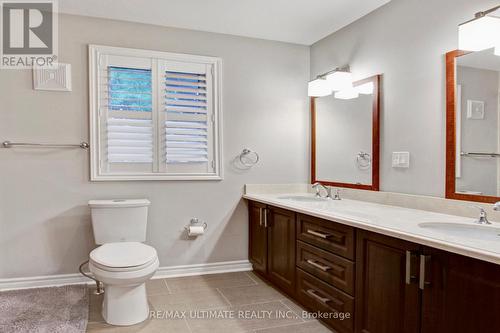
x,y
45,310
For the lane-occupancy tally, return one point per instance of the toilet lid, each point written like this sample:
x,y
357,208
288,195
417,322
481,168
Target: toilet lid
x,y
123,254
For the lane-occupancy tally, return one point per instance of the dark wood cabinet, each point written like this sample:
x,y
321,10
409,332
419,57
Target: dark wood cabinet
x,y
257,237
334,237
460,294
386,303
337,271
272,244
281,248
385,284
317,295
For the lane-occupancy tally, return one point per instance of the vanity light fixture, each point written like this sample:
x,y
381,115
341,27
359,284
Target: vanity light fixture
x,y
334,80
340,79
480,33
319,88
350,93
365,88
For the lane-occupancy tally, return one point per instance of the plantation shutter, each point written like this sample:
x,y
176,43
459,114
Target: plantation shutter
x,y
126,113
154,115
187,118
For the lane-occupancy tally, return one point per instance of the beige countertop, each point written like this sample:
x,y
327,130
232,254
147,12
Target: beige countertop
x,y
394,221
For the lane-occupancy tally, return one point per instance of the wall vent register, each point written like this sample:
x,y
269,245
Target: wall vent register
x,y
154,115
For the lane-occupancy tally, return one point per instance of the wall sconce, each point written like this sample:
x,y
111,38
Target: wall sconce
x,y
319,88
340,79
334,80
480,33
350,93
365,88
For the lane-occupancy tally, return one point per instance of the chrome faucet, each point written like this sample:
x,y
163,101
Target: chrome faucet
x,y
328,190
483,218
335,196
318,186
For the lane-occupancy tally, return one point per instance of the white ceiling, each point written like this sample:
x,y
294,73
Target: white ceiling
x,y
295,21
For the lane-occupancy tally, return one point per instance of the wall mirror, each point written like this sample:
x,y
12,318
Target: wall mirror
x,y
473,126
345,137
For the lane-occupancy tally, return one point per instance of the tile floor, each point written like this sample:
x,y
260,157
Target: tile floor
x,y
247,303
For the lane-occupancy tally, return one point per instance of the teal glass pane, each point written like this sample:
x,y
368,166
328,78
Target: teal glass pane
x,y
129,89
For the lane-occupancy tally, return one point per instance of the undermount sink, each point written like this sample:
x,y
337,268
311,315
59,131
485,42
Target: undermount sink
x,y
474,231
303,198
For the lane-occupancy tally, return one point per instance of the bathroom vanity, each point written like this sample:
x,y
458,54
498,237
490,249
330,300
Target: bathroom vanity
x,y
376,263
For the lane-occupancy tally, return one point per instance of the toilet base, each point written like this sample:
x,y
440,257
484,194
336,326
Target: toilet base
x,y
125,305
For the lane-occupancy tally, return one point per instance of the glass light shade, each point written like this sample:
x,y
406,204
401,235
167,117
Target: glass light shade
x,y
319,88
349,93
479,34
365,88
339,80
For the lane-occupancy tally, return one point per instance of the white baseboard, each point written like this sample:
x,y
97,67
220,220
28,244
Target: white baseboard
x,y
201,269
163,272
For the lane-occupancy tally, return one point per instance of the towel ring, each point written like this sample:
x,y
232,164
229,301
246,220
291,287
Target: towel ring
x,y
250,162
363,160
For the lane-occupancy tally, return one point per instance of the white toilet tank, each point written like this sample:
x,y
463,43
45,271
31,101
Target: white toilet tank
x,y
119,220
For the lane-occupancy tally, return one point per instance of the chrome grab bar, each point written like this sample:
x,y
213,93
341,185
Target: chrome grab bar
x,y
8,144
479,154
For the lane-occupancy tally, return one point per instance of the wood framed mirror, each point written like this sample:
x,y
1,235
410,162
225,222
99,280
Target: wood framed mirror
x,y
473,126
345,142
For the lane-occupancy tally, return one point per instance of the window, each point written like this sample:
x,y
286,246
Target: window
x,y
154,115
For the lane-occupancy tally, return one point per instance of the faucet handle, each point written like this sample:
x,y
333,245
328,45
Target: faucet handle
x,y
318,186
496,206
336,195
483,218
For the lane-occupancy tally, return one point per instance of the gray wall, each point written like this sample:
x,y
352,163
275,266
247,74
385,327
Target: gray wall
x,y
479,174
44,219
405,41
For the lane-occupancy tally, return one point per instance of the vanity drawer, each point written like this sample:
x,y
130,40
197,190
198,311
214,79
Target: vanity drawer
x,y
330,268
330,236
316,295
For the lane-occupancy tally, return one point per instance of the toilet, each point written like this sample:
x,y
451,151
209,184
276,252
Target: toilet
x,y
122,262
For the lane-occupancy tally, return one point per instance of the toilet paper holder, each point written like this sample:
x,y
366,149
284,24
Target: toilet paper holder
x,y
196,222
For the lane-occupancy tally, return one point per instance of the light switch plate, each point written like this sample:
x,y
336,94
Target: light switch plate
x,y
400,159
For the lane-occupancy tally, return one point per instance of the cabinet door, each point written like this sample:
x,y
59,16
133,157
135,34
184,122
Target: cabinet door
x,y
385,302
281,248
460,294
257,251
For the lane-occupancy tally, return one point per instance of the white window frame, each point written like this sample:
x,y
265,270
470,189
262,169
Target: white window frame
x,y
96,169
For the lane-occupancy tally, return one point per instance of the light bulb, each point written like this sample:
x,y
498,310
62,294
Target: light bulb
x,y
319,88
339,80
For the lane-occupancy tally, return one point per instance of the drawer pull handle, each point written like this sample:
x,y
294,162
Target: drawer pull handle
x,y
315,264
323,300
318,234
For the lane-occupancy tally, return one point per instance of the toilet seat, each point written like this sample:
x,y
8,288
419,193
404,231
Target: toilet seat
x,y
123,256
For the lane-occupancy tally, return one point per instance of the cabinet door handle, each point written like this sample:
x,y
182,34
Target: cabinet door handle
x,y
315,264
265,217
424,259
318,234
408,276
323,300
260,216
